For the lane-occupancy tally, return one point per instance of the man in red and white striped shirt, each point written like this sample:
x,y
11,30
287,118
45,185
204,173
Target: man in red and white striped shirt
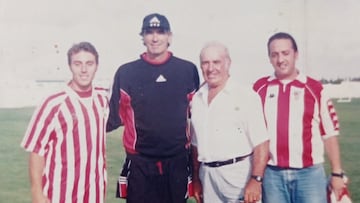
x,y
66,137
301,121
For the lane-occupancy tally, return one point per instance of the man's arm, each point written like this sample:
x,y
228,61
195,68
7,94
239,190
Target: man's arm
x,y
114,121
36,168
332,149
195,175
260,159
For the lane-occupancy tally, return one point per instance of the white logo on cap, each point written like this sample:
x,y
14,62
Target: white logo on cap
x,y
154,22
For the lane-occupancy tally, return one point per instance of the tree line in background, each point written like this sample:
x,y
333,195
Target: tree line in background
x,y
339,80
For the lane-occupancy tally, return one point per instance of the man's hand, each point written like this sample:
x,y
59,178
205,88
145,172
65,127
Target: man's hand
x,y
198,193
252,191
36,168
337,185
40,198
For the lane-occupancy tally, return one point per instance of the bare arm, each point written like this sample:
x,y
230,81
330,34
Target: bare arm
x,y
260,158
195,175
36,168
332,149
333,152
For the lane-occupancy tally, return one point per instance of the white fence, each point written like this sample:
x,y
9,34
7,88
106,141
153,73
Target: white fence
x,y
14,94
29,93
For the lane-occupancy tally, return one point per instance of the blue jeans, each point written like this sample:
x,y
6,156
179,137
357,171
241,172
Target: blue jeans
x,y
307,185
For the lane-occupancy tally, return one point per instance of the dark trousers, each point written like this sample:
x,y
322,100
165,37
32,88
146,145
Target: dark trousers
x,y
157,180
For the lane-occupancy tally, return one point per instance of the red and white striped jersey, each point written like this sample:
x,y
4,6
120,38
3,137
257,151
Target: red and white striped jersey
x,y
298,116
69,131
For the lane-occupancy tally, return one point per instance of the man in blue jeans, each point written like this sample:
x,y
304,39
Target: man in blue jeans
x,y
302,122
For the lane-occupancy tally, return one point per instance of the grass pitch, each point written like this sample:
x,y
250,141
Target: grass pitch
x,y
14,180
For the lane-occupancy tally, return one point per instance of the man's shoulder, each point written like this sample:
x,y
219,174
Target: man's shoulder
x,y
131,64
260,82
313,84
129,67
313,81
101,91
56,95
241,91
202,87
53,99
182,60
263,79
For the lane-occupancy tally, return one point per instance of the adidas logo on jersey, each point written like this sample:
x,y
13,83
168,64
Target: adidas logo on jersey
x,y
161,78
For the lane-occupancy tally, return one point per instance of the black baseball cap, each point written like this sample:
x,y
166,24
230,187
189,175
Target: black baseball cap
x,y
155,20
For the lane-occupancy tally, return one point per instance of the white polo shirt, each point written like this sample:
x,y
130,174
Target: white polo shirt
x,y
230,126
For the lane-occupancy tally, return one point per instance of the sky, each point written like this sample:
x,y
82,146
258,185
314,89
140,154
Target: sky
x,y
35,35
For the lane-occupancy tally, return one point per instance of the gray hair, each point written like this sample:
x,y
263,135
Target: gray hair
x,y
219,46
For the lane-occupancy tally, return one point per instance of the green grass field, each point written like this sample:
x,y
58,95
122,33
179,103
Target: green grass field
x,y
14,181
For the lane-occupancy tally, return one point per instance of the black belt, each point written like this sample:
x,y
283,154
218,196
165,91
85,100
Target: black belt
x,y
227,162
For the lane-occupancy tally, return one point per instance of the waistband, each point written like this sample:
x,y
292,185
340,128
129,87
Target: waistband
x,y
226,162
150,158
279,168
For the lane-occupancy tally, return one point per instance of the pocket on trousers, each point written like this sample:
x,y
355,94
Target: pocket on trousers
x,y
190,190
121,188
122,182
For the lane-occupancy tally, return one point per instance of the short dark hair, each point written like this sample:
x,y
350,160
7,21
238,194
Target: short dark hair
x,y
82,46
282,35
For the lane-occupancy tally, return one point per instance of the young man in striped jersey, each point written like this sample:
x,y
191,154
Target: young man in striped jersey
x,y
302,122
66,137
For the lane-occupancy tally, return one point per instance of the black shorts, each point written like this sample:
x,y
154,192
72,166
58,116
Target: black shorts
x,y
152,180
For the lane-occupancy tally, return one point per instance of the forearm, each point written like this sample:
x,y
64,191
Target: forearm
x,y
196,163
252,191
260,158
333,152
114,120
195,175
36,168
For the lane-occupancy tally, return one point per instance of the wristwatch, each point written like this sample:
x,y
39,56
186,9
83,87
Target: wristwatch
x,y
340,175
257,178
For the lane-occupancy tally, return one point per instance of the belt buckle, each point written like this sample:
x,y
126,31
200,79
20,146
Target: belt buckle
x,y
217,164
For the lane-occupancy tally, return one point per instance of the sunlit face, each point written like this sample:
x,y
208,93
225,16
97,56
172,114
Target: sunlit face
x,y
83,67
215,66
157,42
283,58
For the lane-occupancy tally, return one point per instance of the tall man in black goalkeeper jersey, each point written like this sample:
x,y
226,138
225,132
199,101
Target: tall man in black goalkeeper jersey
x,y
150,97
